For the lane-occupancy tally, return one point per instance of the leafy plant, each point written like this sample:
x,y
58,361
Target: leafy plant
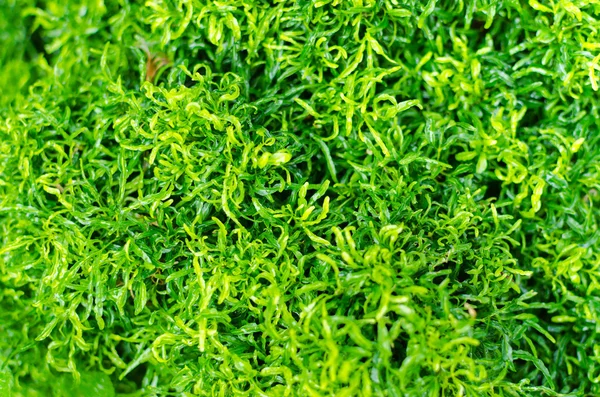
x,y
299,197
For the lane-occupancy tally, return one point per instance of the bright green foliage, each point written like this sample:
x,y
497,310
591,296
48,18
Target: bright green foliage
x,y
299,198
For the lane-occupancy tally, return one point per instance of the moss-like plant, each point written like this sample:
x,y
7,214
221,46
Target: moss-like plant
x,y
299,198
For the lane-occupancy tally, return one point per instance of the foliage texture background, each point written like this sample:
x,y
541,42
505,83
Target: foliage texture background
x,y
299,198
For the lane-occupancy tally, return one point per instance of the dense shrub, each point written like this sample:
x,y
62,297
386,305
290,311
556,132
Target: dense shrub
x,y
299,198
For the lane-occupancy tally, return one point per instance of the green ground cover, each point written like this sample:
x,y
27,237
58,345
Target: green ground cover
x,y
299,198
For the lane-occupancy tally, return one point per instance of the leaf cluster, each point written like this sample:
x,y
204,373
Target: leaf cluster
x,y
299,198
